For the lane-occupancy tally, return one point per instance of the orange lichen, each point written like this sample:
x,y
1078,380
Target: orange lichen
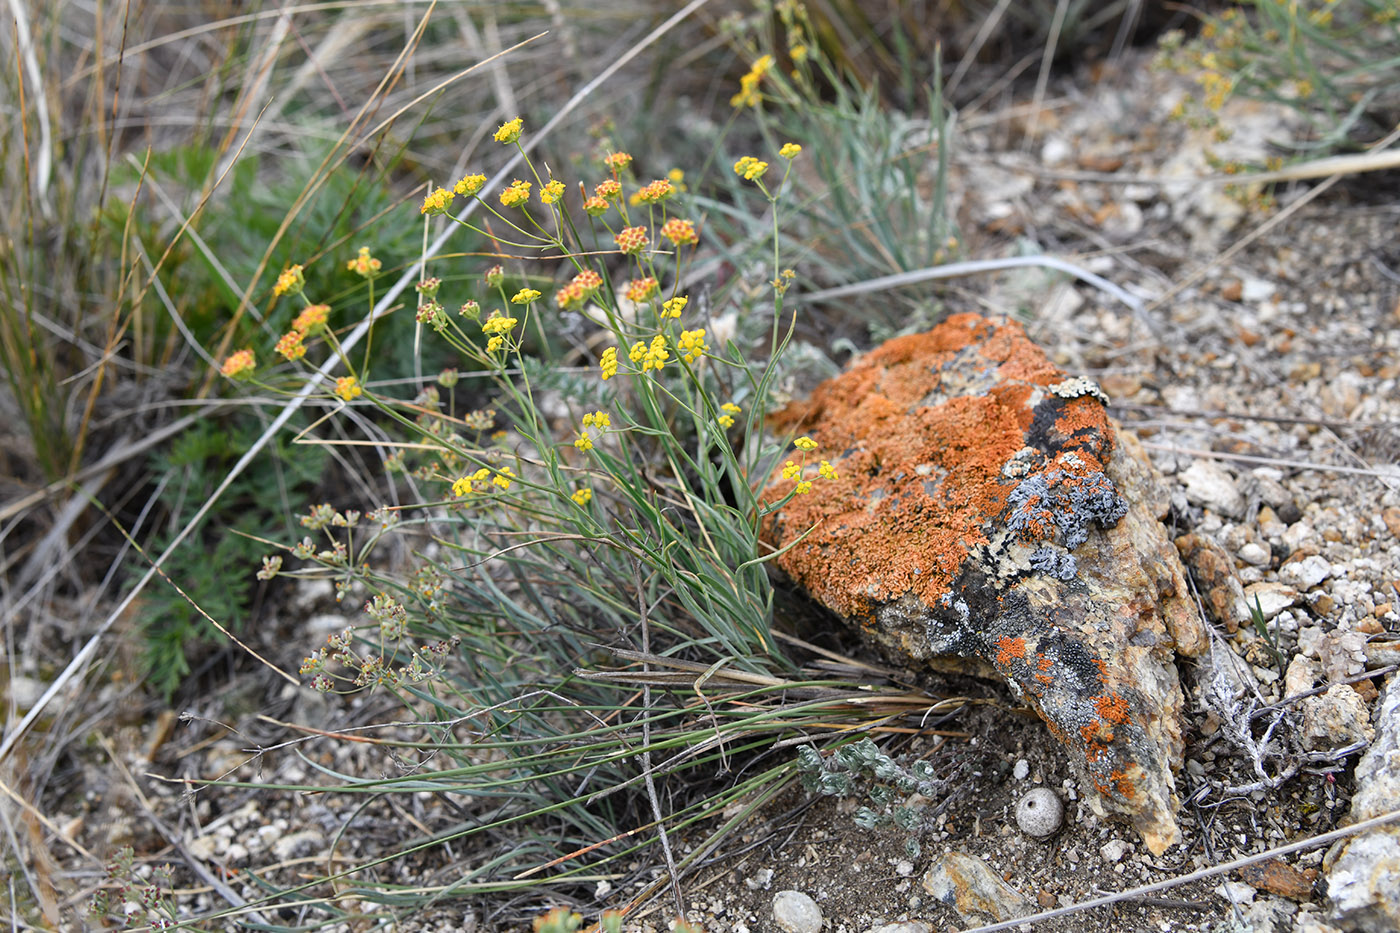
x,y
1010,649
1112,707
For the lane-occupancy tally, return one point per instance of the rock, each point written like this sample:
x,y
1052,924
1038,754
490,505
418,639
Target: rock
x,y
1114,850
906,926
977,893
1255,554
1278,877
1335,719
1306,573
1391,516
795,912
1040,813
1021,770
1214,573
1208,485
1363,872
1269,598
988,518
295,845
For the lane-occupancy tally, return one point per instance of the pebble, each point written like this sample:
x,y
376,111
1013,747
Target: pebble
x,y
1306,573
905,926
1022,769
1254,554
1207,484
759,879
795,912
1114,850
1273,598
1040,813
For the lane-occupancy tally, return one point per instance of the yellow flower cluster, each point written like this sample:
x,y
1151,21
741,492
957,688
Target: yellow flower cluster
x,y
584,441
805,444
498,324
659,190
679,232
672,307
598,419
469,184
692,344
525,296
748,95
437,202
290,282
582,496
631,239
348,388
750,168
642,289
617,161
653,356
726,420
290,345
239,365
552,191
608,363
509,131
517,195
789,151
312,319
466,484
364,265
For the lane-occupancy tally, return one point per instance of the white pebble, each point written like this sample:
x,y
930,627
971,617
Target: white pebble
x,y
1040,813
795,912
1306,573
1022,769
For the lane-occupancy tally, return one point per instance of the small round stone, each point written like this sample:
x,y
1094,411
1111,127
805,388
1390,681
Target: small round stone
x,y
795,912
1040,813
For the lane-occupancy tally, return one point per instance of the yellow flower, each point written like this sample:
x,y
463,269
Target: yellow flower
x,y
582,496
290,345
348,388
584,442
517,195
437,202
789,150
631,239
679,231
826,470
607,189
509,131
791,471
597,419
569,297
677,178
805,443
469,184
311,319
659,190
748,95
525,296
672,307
495,343
642,289
290,282
595,206
364,265
552,192
798,53
609,363
750,168
692,344
503,478
804,487
239,365
726,420
461,487
588,280
498,324
617,161
653,356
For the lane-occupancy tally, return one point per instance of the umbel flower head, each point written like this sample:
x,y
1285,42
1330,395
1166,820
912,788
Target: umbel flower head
x,y
240,365
364,265
509,131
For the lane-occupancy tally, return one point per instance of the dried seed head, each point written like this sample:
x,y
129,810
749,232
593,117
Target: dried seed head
x,y
1040,813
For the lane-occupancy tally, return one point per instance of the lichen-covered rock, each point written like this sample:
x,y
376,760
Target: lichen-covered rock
x,y
987,517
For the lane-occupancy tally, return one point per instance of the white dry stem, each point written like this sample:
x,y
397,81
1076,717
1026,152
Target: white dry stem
x,y
332,362
43,159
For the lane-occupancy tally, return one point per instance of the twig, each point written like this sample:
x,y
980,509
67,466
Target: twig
x,y
1133,893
